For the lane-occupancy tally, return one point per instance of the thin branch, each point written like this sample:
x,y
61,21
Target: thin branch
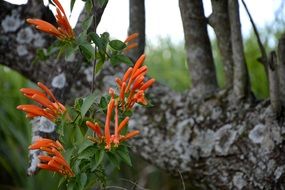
x,y
263,59
274,83
241,79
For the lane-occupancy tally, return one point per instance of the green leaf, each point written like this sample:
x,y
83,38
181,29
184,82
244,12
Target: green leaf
x,y
87,103
87,23
70,52
99,156
113,159
116,59
83,180
87,50
103,103
117,45
96,39
88,6
87,153
99,65
72,2
124,155
84,145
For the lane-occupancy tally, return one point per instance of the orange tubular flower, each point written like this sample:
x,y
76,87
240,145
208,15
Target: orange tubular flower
x,y
129,43
63,31
111,139
49,107
132,85
53,160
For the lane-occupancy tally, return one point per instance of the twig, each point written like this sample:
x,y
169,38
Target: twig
x,y
182,180
274,84
264,59
95,51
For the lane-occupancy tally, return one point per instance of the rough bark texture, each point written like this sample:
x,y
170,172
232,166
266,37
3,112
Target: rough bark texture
x,y
198,47
241,81
213,143
137,24
219,20
281,66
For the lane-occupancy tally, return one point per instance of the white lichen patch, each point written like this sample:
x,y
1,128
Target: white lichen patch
x,y
45,125
25,36
22,50
224,138
11,23
59,81
204,142
38,40
257,134
239,181
279,172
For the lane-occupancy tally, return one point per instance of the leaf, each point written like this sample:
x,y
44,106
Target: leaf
x,y
87,23
87,103
99,65
72,2
116,59
103,103
124,155
83,180
84,145
69,52
99,156
117,45
96,39
87,153
113,159
87,50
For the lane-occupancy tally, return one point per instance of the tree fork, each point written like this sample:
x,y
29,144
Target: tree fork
x,y
198,47
219,20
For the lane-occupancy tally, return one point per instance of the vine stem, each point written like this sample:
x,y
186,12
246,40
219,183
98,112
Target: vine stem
x,y
95,51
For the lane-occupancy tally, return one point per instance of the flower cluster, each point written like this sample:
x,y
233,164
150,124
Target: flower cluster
x,y
52,159
132,85
63,32
132,88
49,107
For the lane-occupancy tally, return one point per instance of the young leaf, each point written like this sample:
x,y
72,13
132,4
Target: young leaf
x,y
72,2
99,65
116,59
117,45
87,51
124,155
87,103
87,23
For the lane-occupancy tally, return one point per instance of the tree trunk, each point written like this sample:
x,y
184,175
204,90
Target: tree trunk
x,y
198,47
219,20
137,24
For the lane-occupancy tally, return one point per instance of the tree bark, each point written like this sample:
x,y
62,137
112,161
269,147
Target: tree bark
x,y
137,24
241,80
212,142
219,20
198,47
281,66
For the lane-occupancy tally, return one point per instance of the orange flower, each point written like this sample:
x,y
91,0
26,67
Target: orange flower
x,y
129,43
52,159
132,85
63,31
111,139
49,107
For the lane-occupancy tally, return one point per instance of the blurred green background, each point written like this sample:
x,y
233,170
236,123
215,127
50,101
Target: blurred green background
x,y
166,62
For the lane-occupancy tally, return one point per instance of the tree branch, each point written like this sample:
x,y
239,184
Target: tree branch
x,y
241,79
263,59
219,20
281,67
198,47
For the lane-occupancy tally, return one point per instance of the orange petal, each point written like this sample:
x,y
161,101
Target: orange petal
x,y
127,74
147,84
129,135
107,122
131,37
95,127
123,124
47,90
